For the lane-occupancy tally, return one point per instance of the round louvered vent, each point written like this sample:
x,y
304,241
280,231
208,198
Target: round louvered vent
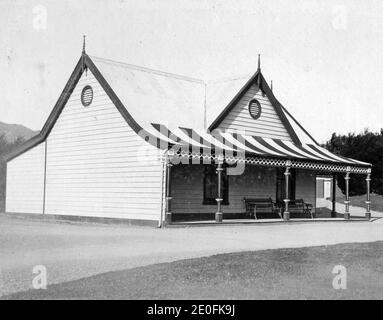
x,y
86,96
255,108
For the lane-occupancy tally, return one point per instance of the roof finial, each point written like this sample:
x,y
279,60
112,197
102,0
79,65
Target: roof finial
x,y
271,85
259,61
83,44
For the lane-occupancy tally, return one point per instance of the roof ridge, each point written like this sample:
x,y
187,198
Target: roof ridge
x,y
150,70
228,79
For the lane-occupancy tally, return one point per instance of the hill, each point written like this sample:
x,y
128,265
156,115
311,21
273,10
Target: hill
x,y
11,132
11,135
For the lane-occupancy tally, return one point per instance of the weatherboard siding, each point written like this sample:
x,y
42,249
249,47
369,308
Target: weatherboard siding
x,y
255,182
97,165
25,182
187,189
268,125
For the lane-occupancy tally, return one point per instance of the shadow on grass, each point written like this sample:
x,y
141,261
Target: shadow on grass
x,y
359,201
326,213
298,273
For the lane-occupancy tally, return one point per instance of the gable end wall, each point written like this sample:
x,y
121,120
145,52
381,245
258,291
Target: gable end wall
x,y
268,125
96,165
25,182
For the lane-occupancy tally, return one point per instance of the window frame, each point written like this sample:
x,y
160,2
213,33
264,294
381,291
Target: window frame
x,y
87,87
254,100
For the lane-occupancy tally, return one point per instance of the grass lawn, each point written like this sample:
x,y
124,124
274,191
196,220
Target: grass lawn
x,y
359,201
302,273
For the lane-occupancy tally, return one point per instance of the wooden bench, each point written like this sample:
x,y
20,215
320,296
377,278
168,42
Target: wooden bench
x,y
298,206
257,208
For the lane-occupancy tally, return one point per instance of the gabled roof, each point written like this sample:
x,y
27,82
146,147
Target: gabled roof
x,y
176,100
260,81
155,96
83,63
144,96
44,132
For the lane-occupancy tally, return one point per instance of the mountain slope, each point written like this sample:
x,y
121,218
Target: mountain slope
x,y
13,131
11,135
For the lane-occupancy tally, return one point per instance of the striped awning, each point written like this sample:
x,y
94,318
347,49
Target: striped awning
x,y
237,144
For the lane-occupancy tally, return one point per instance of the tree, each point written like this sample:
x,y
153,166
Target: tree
x,y
367,147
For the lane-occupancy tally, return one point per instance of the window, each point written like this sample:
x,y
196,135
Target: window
x,y
86,96
255,108
210,186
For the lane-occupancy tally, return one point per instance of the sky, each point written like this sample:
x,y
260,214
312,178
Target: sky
x,y
325,57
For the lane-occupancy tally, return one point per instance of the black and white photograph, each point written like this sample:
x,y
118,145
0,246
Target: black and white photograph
x,y
190,155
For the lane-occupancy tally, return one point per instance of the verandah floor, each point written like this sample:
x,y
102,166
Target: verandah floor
x,y
322,214
262,221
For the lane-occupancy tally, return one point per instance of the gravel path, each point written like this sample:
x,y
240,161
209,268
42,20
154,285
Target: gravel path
x,y
71,251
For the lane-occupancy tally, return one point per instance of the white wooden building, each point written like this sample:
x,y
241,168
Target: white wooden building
x,y
152,147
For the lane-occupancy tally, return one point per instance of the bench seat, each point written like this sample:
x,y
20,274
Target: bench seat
x,y
261,208
298,207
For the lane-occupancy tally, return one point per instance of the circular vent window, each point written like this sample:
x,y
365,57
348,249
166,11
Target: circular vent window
x,y
86,96
255,108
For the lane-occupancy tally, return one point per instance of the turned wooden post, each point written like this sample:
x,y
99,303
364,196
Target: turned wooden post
x,y
333,199
218,214
286,213
168,196
347,201
368,201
